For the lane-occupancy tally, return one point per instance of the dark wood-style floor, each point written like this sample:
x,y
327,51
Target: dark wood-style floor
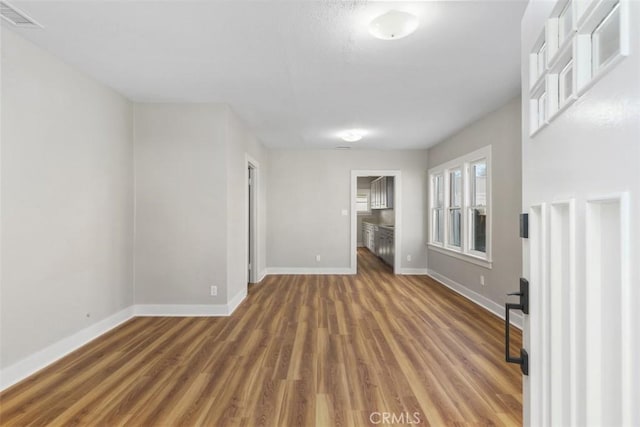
x,y
300,351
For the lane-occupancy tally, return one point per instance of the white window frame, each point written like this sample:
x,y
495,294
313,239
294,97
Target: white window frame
x,y
470,206
564,33
596,64
590,21
434,207
463,252
538,60
448,207
565,94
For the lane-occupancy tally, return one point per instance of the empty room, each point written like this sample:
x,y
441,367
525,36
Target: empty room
x,y
320,213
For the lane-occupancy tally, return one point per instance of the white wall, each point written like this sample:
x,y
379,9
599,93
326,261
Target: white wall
x,y
241,142
181,214
67,201
308,189
501,130
190,203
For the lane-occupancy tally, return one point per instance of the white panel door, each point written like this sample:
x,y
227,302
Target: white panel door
x,y
581,189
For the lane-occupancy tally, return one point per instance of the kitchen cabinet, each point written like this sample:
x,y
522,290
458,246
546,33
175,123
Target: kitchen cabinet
x,y
365,235
386,245
375,194
382,193
369,236
379,239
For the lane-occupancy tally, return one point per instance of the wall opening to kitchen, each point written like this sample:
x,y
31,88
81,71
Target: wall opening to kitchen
x,y
375,216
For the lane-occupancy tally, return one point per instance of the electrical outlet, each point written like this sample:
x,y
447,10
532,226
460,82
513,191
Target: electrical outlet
x,y
318,258
409,257
214,291
482,280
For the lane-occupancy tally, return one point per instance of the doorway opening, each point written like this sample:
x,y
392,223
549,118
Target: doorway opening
x,y
375,216
252,260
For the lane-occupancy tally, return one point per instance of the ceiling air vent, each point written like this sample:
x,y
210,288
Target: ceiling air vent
x,y
16,16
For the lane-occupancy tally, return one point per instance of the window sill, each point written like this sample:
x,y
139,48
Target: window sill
x,y
464,257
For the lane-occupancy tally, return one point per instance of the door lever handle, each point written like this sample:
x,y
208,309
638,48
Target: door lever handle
x,y
523,293
523,360
523,305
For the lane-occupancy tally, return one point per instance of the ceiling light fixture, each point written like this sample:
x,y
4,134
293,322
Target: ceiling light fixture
x,y
352,135
393,25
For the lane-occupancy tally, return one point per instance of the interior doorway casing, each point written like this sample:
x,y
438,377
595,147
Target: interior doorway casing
x,y
397,209
252,251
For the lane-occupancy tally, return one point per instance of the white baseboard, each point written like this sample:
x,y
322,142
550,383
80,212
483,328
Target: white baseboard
x,y
181,310
414,271
262,275
337,271
43,358
482,301
48,355
190,310
305,270
236,301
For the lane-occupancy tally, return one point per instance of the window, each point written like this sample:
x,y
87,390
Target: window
x,y
542,109
559,91
460,207
478,208
565,23
602,41
538,112
538,60
437,210
542,59
566,83
606,40
363,206
455,207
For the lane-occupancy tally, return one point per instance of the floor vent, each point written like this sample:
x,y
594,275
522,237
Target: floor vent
x,y
16,16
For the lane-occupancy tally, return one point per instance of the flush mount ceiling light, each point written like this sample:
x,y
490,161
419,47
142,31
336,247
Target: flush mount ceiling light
x,y
352,135
393,25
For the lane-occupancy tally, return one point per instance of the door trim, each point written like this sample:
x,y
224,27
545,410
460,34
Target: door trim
x,y
254,247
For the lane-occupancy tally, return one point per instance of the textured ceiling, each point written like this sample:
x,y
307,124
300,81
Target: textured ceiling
x,y
298,72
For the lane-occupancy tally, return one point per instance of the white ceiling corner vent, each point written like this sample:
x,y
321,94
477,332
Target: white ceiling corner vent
x,y
17,17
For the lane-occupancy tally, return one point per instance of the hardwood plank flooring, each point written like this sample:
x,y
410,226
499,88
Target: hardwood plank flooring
x,y
299,351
